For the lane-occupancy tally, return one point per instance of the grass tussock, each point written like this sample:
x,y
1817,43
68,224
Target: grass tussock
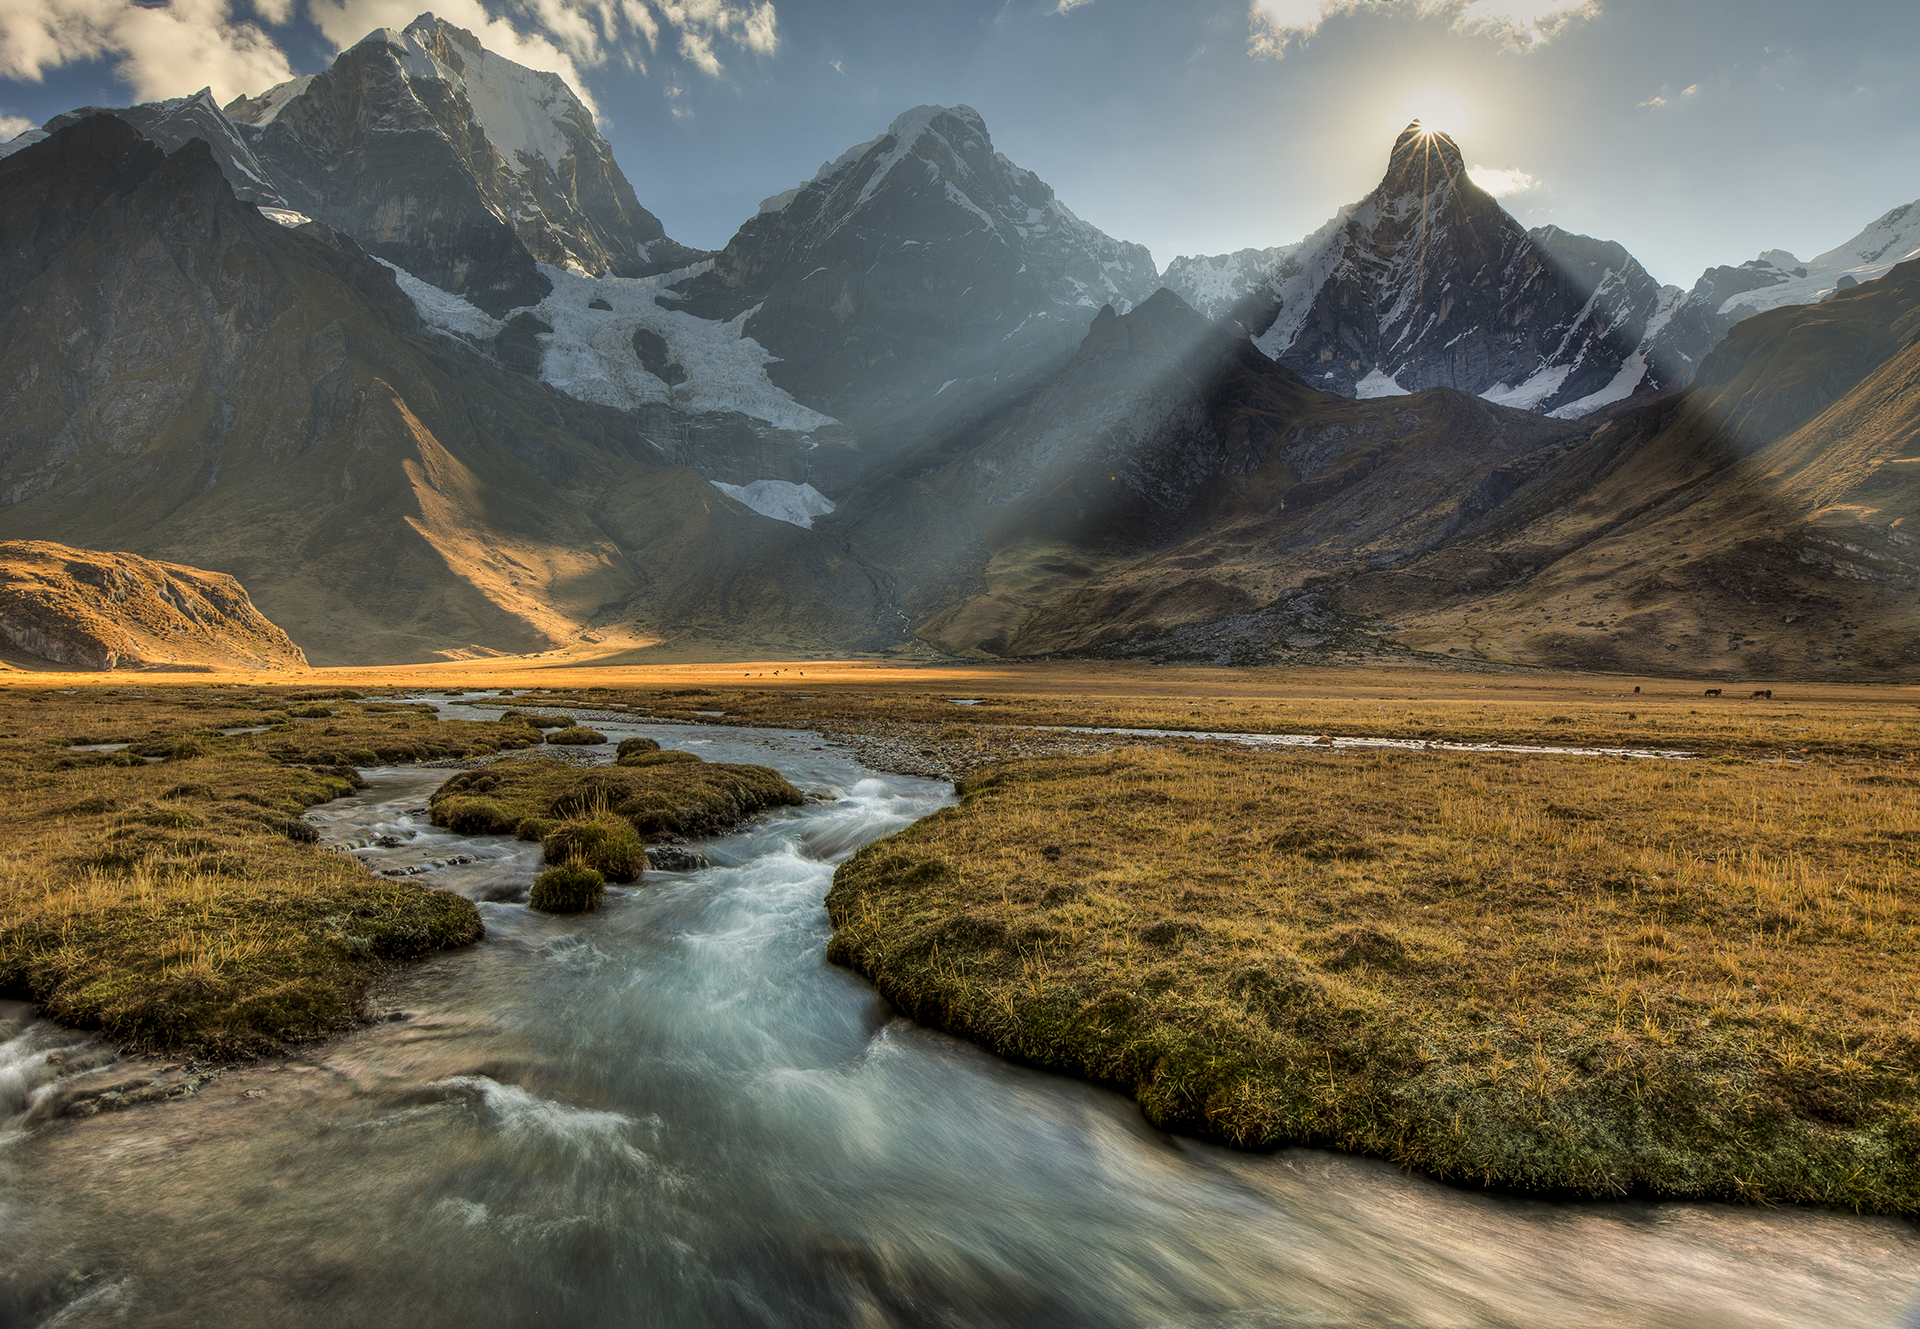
x,y
571,888
606,843
170,895
1551,974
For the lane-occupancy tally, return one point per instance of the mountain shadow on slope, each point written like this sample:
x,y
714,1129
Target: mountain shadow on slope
x,y
1753,526
1169,475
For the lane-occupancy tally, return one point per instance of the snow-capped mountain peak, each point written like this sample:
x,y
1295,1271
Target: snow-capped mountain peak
x,y
456,164
527,114
1428,282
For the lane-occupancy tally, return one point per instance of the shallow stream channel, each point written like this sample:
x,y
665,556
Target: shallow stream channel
x,y
674,1112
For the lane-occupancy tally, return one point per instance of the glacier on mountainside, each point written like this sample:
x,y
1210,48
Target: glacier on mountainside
x,y
783,500
590,353
1890,239
443,309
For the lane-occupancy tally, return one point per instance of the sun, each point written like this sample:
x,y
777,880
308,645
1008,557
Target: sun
x,y
1440,110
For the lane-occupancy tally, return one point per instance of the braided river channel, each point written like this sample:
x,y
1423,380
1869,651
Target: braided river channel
x,y
674,1112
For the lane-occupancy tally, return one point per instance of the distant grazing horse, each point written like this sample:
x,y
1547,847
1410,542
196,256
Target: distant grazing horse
x,y
1713,692
1765,694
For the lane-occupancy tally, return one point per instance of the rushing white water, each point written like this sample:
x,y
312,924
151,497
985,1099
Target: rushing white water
x,y
674,1113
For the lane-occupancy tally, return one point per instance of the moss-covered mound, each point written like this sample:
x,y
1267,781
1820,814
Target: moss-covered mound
x,y
1548,974
571,888
631,746
536,721
606,843
685,797
576,736
640,759
680,798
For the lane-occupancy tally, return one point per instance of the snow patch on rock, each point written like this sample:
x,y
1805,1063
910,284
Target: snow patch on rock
x,y
1379,384
1531,392
1633,372
24,139
783,500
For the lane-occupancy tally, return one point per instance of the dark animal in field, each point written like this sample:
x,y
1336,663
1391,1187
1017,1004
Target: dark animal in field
x,y
1765,694
1713,692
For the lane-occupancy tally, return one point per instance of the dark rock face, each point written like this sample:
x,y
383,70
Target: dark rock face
x,y
921,274
171,123
650,348
393,145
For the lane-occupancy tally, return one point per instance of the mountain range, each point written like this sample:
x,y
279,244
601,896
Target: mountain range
x,y
398,346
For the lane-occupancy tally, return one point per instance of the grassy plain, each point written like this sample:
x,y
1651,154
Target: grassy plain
x,y
1588,975
1552,973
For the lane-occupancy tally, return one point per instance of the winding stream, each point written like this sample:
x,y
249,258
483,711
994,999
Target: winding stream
x,y
674,1113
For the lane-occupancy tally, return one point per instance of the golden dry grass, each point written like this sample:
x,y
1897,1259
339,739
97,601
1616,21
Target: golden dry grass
x,y
1564,974
179,905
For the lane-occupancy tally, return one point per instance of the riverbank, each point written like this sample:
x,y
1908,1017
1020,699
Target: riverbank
x,y
158,883
1573,976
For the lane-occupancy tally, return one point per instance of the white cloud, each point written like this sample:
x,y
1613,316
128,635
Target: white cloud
x,y
1068,6
1660,98
1501,181
164,51
165,48
1278,25
13,126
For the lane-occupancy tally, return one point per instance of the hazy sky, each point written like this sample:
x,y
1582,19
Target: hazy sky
x,y
1692,131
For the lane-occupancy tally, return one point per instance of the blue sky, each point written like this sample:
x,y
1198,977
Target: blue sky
x,y
1692,131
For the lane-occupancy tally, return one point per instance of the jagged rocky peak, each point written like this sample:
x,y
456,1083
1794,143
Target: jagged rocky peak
x,y
1423,159
456,164
173,122
919,264
1427,282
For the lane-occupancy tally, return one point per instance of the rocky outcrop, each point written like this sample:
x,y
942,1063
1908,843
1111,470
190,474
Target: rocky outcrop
x,y
91,610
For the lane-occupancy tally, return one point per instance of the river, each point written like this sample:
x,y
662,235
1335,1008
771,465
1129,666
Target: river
x,y
673,1112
